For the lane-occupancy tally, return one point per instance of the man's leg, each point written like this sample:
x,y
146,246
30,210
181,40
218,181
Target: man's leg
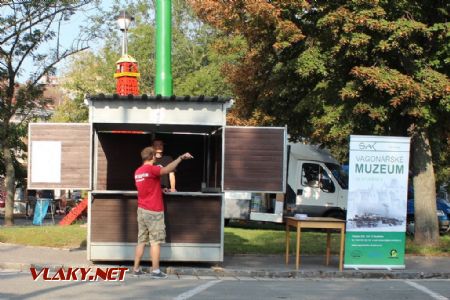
x,y
142,239
157,236
155,253
140,247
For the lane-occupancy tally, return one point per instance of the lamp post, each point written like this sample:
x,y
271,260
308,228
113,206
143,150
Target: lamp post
x,y
124,20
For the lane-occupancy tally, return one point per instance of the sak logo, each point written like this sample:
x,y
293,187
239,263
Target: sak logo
x,y
79,274
367,146
393,253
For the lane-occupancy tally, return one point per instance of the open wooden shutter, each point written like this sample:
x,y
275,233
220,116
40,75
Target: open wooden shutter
x,y
255,159
59,156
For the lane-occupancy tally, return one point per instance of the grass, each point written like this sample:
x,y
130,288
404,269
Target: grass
x,y
256,241
237,240
442,250
72,236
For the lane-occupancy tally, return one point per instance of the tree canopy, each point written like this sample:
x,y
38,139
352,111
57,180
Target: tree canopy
x,y
24,26
195,63
347,67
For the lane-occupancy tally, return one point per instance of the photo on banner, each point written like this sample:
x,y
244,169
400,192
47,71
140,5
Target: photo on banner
x,y
377,199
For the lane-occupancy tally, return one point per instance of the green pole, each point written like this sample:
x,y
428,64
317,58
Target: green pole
x,y
163,80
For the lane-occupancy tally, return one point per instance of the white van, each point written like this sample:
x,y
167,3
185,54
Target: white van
x,y
316,186
316,182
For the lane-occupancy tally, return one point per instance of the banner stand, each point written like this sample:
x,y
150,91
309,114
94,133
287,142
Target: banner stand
x,y
376,207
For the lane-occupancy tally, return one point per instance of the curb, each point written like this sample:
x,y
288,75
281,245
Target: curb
x,y
25,267
219,273
15,266
44,247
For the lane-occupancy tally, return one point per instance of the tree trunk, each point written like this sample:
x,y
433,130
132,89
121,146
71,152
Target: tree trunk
x,y
10,185
426,223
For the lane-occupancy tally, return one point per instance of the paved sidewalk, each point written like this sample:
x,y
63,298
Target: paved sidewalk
x,y
16,257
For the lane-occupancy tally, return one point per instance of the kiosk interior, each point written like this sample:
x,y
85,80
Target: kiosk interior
x,y
102,155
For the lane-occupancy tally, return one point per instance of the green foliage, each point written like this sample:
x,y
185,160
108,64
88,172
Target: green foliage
x,y
71,111
334,68
208,78
311,63
357,67
141,47
196,66
205,81
26,107
24,27
89,73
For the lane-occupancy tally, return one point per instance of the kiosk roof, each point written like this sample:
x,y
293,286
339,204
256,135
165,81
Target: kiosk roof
x,y
159,98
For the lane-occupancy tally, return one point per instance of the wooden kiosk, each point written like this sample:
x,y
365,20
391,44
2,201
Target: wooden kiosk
x,y
101,156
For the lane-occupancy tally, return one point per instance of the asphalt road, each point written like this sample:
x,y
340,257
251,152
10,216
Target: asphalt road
x,y
20,285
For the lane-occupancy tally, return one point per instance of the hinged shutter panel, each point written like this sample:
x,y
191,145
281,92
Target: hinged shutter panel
x,y
59,156
255,159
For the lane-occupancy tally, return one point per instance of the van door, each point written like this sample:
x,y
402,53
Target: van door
x,y
59,156
255,161
316,190
340,178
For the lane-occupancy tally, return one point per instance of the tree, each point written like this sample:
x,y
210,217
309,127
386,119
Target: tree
x,y
90,73
207,78
85,73
20,132
71,111
195,61
24,26
348,67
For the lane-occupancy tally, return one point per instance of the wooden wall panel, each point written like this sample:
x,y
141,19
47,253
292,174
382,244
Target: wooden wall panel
x,y
215,167
188,219
101,166
254,159
75,153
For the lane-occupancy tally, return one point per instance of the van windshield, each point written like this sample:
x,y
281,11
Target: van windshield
x,y
340,175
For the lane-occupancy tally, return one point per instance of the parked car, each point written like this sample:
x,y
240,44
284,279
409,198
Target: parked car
x,y
442,212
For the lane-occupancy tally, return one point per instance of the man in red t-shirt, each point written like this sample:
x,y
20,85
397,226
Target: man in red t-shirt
x,y
150,214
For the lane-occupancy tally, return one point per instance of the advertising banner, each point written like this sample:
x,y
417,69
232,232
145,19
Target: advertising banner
x,y
376,207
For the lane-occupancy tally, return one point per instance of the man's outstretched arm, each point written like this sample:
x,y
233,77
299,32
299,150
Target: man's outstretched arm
x,y
173,165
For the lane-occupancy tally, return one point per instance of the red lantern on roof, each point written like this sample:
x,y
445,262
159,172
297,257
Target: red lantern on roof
x,y
127,75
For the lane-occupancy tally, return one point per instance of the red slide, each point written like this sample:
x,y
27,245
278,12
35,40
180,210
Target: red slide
x,y
74,213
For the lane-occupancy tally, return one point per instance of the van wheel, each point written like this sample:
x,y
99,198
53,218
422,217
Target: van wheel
x,y
338,214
